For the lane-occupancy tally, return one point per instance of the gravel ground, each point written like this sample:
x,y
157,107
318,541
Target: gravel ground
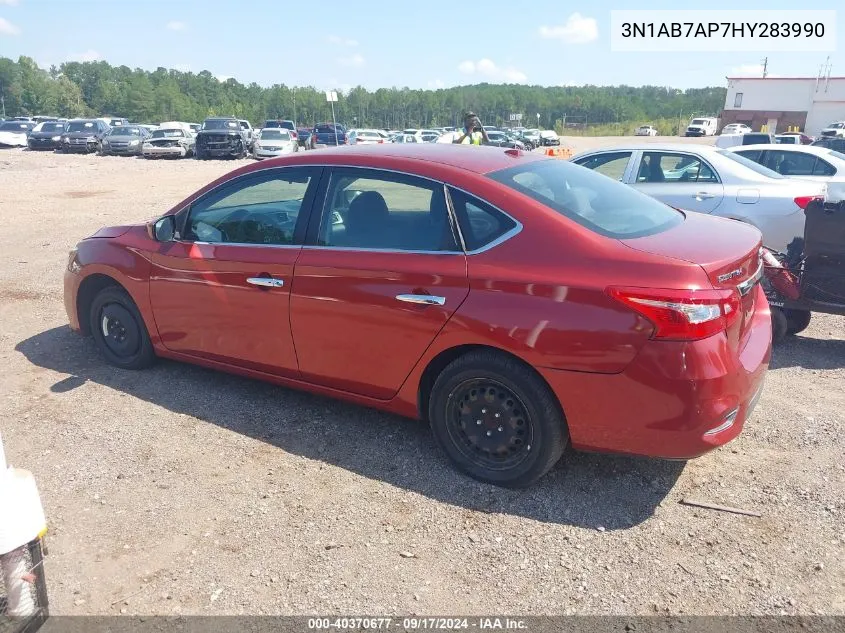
x,y
184,491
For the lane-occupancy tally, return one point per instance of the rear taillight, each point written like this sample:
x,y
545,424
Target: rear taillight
x,y
682,315
803,201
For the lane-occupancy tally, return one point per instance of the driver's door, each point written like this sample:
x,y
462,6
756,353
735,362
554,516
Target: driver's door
x,y
221,290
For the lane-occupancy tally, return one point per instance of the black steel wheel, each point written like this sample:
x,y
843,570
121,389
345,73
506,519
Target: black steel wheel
x,y
119,331
497,419
797,320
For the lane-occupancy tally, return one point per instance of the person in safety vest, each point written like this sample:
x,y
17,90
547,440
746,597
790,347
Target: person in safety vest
x,y
473,133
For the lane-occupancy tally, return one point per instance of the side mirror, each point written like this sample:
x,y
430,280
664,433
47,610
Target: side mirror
x,y
163,229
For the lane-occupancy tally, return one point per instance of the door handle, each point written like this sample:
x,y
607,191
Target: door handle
x,y
265,282
703,195
428,300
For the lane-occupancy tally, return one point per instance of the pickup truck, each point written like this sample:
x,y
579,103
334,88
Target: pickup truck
x,y
330,134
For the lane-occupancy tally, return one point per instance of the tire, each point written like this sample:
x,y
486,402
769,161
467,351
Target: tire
x,y
779,325
534,429
797,320
128,343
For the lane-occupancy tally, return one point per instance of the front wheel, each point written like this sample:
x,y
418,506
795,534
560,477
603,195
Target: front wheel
x,y
497,420
119,331
797,320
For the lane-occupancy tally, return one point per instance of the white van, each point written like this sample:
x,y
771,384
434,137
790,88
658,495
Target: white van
x,y
751,138
702,126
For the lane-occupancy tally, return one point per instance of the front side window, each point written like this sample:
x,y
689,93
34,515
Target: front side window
x,y
592,200
611,164
370,209
254,210
659,167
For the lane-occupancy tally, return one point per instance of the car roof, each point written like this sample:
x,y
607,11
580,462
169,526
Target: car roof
x,y
658,147
479,160
809,149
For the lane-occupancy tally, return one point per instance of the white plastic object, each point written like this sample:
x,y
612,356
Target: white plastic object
x,y
21,514
835,192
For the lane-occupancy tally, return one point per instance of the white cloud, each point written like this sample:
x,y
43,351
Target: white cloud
x,y
88,56
9,3
354,60
435,83
176,25
487,69
7,28
342,41
576,30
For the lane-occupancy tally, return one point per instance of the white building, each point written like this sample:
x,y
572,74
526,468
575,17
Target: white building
x,y
809,103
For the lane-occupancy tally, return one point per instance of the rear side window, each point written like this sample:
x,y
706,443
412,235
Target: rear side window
x,y
592,200
481,224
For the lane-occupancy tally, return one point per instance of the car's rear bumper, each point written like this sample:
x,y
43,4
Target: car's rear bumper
x,y
675,400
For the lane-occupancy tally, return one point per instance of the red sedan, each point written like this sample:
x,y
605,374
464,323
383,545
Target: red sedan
x,y
515,302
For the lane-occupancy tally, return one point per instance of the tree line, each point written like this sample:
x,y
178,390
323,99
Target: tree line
x,y
97,88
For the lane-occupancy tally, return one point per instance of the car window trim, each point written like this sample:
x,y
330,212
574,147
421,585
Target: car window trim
x,y
298,237
321,199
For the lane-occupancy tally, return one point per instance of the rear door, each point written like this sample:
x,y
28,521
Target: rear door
x,y
380,276
682,180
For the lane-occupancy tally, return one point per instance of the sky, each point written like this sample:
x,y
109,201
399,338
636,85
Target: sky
x,y
334,44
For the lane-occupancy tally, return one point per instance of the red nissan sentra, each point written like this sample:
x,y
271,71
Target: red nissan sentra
x,y
515,302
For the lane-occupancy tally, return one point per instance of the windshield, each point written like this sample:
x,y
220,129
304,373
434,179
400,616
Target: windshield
x,y
125,131
697,122
174,133
275,134
221,124
49,127
837,125
750,164
593,200
82,126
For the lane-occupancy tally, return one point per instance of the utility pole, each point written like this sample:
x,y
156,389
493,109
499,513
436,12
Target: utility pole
x,y
765,66
294,106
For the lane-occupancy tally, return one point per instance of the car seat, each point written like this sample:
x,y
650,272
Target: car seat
x,y
367,222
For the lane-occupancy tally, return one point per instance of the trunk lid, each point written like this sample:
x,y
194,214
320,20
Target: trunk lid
x,y
728,251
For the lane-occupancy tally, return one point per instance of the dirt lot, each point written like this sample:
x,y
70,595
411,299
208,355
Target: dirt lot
x,y
181,490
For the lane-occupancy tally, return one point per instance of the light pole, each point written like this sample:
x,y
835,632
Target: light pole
x,y
538,119
294,106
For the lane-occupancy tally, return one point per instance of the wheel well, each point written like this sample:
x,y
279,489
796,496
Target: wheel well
x,y
89,289
442,360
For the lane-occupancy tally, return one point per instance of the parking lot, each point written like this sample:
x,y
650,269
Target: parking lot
x,y
184,491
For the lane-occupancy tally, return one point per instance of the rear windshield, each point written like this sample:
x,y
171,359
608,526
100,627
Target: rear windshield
x,y
750,164
327,129
14,126
597,202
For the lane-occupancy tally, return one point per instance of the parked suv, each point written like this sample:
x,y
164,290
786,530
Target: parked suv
x,y
84,135
222,137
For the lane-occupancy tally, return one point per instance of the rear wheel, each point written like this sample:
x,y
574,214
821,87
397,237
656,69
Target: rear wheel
x,y
797,320
119,331
497,420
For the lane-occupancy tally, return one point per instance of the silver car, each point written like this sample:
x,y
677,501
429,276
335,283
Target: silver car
x,y
274,141
710,180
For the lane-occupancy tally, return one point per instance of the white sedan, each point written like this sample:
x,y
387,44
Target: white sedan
x,y
735,128
710,180
274,141
646,130
15,133
807,162
366,137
